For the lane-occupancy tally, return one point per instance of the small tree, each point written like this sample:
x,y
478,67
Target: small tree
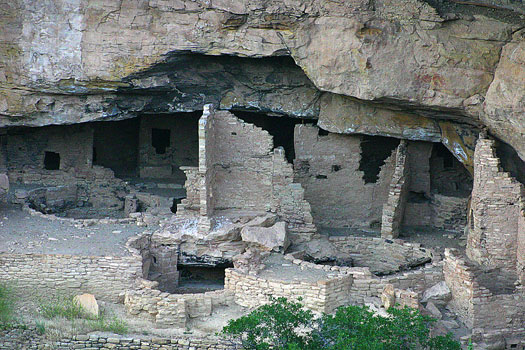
x,y
280,325
284,325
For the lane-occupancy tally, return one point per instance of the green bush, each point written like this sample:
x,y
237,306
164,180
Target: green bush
x,y
62,306
279,325
67,308
284,325
113,325
6,305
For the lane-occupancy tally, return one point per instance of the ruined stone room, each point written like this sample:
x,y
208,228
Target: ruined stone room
x,y
262,174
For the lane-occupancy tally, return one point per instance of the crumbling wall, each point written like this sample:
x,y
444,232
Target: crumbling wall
x,y
494,318
418,211
173,310
242,163
327,168
26,151
394,208
181,151
344,286
240,171
521,245
495,211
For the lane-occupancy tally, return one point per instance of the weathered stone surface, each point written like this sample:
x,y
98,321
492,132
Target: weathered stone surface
x,y
88,303
388,296
263,221
505,100
251,261
70,61
4,185
433,310
438,293
268,238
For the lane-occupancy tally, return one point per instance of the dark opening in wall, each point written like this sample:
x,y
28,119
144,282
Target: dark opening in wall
x,y
511,161
200,279
448,176
280,127
374,151
160,139
51,161
176,201
322,132
115,146
417,197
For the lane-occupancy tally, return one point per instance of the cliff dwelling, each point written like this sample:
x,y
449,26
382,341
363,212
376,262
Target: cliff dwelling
x,y
186,162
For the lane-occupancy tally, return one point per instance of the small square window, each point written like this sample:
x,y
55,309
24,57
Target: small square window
x,y
51,161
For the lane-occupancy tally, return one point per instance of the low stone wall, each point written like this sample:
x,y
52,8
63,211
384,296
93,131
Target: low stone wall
x,y
366,285
108,278
173,310
494,318
382,255
30,340
322,295
349,285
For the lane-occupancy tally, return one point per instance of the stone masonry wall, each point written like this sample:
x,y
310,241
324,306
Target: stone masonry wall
x,y
521,245
322,296
26,149
418,212
242,163
494,318
173,310
348,285
182,151
327,168
30,340
495,209
105,277
394,208
240,170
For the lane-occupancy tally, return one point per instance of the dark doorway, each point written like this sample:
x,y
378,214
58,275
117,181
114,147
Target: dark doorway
x,y
160,139
447,175
51,161
115,146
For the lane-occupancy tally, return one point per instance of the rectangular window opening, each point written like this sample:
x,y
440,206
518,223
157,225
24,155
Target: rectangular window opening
x,y
160,140
51,161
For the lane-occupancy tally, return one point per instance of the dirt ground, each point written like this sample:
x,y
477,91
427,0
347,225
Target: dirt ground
x,y
22,233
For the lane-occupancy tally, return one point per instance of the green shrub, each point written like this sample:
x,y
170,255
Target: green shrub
x,y
40,328
67,308
280,325
6,305
284,325
113,325
62,306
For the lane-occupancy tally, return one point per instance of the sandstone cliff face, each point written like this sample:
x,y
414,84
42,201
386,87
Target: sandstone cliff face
x,y
428,70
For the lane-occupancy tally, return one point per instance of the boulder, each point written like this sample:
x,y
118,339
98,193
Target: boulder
x,y
433,310
267,238
88,303
438,293
388,297
267,220
251,261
